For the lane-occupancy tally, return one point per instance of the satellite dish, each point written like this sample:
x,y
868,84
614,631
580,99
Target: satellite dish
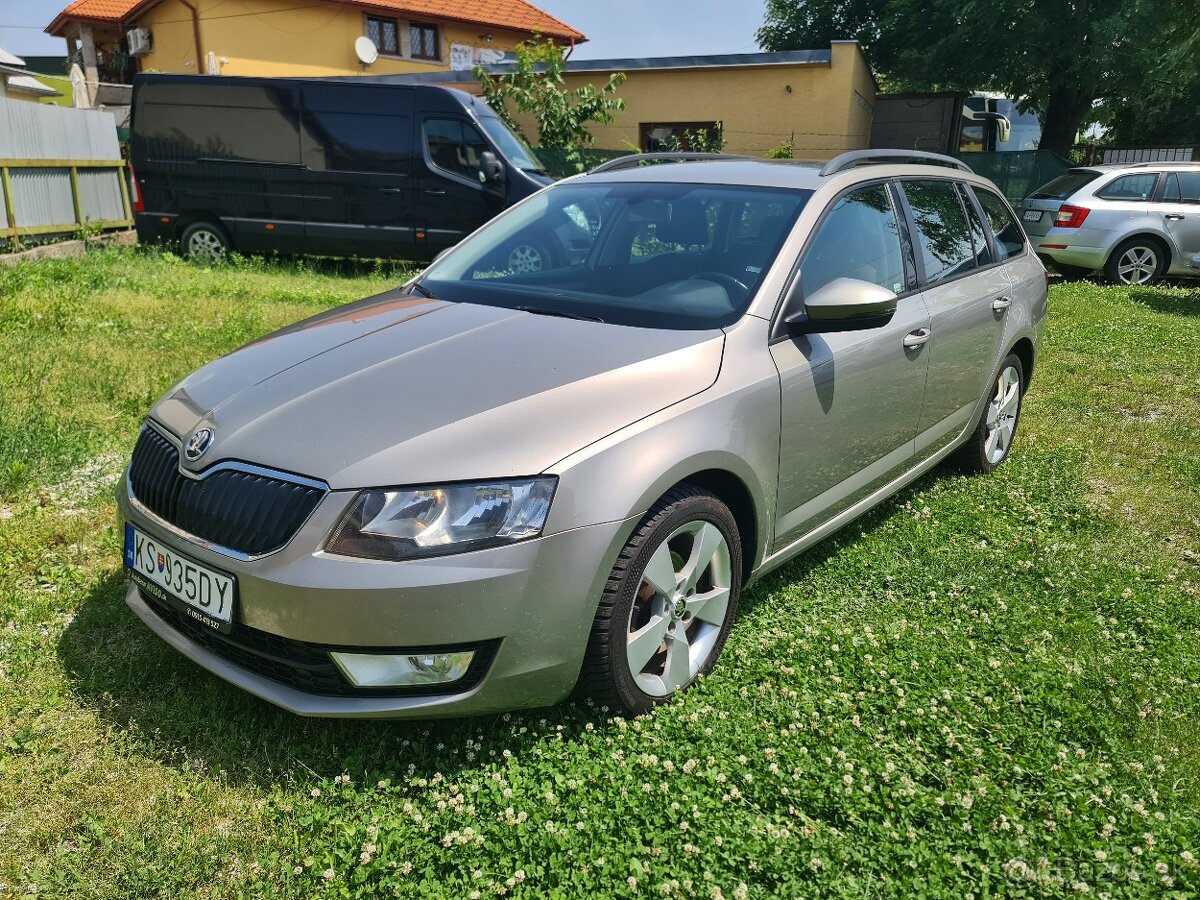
x,y
365,50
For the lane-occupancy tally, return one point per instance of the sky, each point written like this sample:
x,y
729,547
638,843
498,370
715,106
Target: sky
x,y
613,27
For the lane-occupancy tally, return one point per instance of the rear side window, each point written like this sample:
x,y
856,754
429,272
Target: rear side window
x,y
1183,187
1007,234
858,238
979,240
1130,187
1064,185
943,238
357,128
455,146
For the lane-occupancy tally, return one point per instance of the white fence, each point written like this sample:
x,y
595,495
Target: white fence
x,y
60,169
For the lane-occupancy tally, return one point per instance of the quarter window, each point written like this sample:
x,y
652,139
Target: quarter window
x,y
942,237
1183,187
858,238
384,33
424,41
983,256
456,147
1008,236
1130,187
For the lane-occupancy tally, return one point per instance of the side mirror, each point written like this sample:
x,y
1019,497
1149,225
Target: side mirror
x,y
491,171
844,304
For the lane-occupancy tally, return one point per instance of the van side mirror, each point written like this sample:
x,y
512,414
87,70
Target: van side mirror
x,y
491,171
844,304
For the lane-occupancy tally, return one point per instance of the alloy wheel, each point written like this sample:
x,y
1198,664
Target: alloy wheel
x,y
679,609
1137,265
205,246
525,258
1002,413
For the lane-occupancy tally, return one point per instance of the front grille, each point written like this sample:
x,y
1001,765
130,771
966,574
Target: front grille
x,y
305,667
242,511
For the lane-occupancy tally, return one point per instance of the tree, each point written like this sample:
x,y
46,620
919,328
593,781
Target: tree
x,y
1060,56
536,86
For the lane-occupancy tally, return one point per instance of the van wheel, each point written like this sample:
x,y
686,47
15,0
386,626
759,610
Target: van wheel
x,y
529,256
204,242
992,440
1138,262
668,605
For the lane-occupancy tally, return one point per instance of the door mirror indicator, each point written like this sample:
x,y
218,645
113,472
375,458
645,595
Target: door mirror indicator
x,y
844,304
491,171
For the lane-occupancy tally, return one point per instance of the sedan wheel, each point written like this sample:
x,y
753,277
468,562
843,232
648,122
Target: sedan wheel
x,y
1136,262
668,605
526,258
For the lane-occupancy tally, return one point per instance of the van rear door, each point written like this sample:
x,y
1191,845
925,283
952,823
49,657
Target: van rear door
x,y
455,199
357,144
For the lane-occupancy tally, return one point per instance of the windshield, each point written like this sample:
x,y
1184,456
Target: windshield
x,y
1064,185
519,153
685,256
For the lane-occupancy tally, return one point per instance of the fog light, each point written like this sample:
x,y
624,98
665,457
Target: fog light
x,y
391,670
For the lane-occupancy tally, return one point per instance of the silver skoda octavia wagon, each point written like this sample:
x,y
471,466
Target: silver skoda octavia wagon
x,y
507,478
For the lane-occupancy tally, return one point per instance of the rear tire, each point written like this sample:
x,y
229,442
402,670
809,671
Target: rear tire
x,y
668,605
992,439
204,242
1137,262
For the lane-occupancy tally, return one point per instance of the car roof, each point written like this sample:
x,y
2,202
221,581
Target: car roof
x,y
1140,166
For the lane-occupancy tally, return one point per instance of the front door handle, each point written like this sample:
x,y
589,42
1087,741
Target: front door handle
x,y
1174,217
391,190
438,192
1001,303
917,338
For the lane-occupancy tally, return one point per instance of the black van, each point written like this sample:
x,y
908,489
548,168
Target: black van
x,y
333,167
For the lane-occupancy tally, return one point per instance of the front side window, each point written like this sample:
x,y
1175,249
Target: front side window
x,y
385,34
1130,187
647,254
1183,187
858,238
455,146
943,239
1008,236
424,40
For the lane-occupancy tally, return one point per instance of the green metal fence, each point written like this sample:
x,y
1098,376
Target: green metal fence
x,y
1017,173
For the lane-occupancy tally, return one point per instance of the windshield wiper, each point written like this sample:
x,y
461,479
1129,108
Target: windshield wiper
x,y
424,291
558,313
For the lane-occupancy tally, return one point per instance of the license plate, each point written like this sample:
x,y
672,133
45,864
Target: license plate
x,y
204,594
1032,215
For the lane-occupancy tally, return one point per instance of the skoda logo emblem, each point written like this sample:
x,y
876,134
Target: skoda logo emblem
x,y
198,444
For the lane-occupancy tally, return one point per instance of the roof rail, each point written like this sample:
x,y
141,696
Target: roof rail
x,y
633,160
849,160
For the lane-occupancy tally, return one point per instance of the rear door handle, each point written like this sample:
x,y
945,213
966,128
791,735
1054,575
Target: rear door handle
x,y
436,193
1174,217
391,190
1001,303
917,338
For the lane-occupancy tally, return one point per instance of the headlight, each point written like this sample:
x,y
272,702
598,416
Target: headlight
x,y
406,523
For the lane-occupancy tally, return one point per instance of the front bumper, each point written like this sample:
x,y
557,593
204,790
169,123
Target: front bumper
x,y
531,604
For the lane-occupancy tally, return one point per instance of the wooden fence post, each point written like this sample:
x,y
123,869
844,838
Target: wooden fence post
x,y
9,211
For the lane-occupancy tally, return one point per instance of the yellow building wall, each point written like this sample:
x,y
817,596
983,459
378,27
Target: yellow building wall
x,y
274,38
826,111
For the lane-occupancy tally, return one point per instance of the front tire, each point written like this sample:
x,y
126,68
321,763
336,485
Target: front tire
x,y
204,242
992,440
668,605
1136,263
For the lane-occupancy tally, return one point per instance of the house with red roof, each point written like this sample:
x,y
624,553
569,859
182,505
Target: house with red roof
x,y
114,39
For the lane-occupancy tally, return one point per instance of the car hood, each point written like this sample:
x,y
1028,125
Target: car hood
x,y
400,389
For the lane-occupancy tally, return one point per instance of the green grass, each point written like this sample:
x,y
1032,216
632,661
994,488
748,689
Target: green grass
x,y
987,686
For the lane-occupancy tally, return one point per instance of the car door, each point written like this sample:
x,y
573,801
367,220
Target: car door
x,y
850,400
454,199
357,143
967,294
1180,210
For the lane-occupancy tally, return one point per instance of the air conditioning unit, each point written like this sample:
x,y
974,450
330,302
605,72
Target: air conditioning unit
x,y
138,40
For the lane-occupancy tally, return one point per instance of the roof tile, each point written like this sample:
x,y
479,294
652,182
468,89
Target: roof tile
x,y
518,15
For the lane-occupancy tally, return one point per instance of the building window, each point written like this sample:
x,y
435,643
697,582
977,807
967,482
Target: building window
x,y
385,33
678,137
424,40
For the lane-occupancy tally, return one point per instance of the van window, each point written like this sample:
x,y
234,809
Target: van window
x,y
1183,187
858,238
257,124
1130,187
353,142
1009,238
942,236
455,146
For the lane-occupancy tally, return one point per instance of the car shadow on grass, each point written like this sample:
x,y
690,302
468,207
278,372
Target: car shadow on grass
x,y
1170,302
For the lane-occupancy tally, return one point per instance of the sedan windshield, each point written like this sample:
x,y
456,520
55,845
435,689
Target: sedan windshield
x,y
659,255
